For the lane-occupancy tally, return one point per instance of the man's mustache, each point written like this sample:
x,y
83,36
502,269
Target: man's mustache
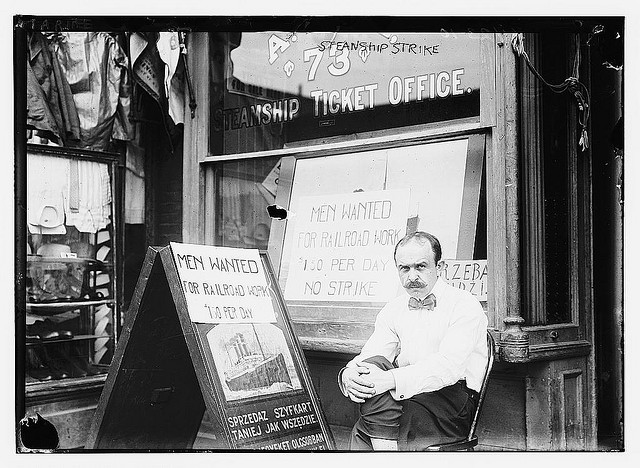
x,y
414,284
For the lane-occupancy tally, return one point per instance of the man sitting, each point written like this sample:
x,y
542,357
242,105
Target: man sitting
x,y
418,376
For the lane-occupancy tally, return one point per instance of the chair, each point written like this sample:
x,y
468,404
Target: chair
x,y
472,440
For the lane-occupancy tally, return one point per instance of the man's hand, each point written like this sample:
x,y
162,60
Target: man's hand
x,y
357,385
382,380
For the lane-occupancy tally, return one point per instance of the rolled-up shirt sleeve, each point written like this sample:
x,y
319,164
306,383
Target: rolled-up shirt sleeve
x,y
447,365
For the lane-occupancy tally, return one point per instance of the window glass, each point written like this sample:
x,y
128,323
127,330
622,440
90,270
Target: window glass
x,y
245,189
278,88
70,281
549,155
347,212
334,251
557,185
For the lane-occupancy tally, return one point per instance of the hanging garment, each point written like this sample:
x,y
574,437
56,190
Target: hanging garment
x,y
39,115
96,68
47,188
93,211
134,184
147,66
148,70
169,49
134,198
124,126
50,105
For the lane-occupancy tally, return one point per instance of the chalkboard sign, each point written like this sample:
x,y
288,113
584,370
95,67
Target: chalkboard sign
x,y
208,331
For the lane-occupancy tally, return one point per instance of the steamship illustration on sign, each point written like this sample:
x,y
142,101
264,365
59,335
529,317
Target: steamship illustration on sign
x,y
252,360
255,370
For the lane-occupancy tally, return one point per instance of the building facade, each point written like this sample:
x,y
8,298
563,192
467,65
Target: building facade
x,y
502,144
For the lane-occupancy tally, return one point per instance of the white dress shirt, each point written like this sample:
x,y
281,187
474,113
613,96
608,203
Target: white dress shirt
x,y
434,348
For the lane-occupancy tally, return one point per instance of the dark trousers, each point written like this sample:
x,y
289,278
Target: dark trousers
x,y
417,422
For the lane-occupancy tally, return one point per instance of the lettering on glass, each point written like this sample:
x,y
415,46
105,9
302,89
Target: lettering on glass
x,y
339,73
470,275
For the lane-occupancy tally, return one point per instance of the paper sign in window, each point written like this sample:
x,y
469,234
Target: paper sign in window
x,y
342,246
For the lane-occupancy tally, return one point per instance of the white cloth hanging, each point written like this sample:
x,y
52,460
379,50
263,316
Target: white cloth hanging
x,y
169,49
134,182
94,198
134,198
47,191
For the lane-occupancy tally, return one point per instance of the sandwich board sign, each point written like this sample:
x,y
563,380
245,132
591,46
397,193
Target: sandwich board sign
x,y
207,343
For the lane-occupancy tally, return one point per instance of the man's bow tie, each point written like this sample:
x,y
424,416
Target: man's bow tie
x,y
428,302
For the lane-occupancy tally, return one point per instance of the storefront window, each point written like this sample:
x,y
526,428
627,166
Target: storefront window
x,y
70,277
348,211
345,213
270,90
245,189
